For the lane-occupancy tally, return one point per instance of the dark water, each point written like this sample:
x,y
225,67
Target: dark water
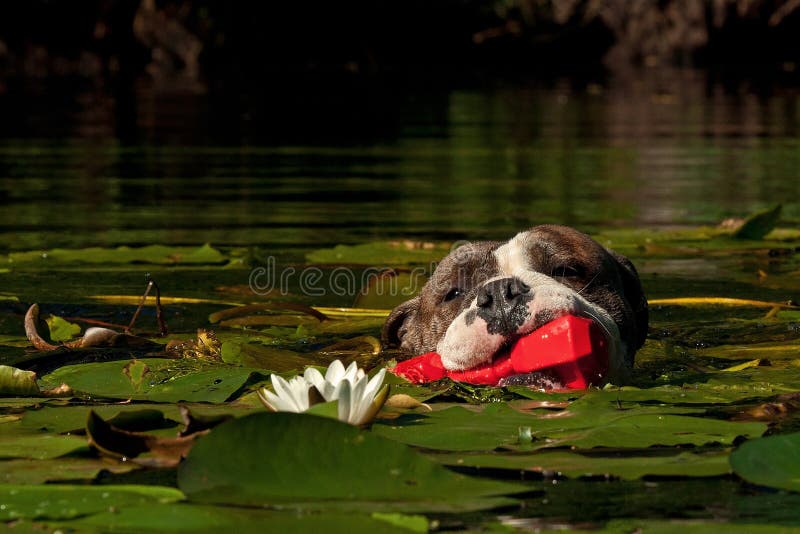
x,y
316,167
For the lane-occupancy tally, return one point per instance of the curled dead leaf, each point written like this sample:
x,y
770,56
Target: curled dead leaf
x,y
122,444
405,402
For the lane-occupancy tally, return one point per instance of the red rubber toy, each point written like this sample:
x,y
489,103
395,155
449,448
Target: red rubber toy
x,y
571,349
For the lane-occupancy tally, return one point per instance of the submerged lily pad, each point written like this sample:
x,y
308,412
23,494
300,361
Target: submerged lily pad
x,y
274,458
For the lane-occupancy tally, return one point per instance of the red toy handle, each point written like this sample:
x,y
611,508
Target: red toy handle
x,y
572,349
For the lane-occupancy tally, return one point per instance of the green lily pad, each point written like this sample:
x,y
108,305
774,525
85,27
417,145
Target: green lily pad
x,y
586,424
133,417
163,381
155,254
187,517
66,502
27,471
39,446
773,461
458,428
274,458
17,382
638,431
626,466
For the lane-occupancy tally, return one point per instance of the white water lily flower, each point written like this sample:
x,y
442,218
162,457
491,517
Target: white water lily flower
x,y
291,396
359,398
334,376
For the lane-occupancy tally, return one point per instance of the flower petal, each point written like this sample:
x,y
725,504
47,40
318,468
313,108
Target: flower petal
x,y
358,403
375,406
293,394
314,377
344,399
375,383
351,373
335,372
274,402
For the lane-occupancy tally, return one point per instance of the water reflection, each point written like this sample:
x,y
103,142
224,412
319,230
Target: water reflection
x,y
307,166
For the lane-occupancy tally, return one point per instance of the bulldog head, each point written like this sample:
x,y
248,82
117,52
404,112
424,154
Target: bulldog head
x,y
484,296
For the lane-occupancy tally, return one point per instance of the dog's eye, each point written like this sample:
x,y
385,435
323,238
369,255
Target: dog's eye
x,y
566,271
454,293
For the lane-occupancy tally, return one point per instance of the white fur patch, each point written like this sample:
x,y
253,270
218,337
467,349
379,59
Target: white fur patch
x,y
465,346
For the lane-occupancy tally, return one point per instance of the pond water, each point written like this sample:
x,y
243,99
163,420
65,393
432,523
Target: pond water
x,y
282,174
364,163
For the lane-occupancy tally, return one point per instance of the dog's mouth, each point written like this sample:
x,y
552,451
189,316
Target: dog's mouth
x,y
570,352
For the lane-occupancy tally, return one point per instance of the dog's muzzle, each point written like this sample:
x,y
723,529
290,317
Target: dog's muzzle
x,y
503,304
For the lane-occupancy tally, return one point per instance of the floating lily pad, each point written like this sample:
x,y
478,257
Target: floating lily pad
x,y
584,425
163,381
626,466
27,471
772,461
155,254
274,458
66,502
648,430
186,517
132,417
39,446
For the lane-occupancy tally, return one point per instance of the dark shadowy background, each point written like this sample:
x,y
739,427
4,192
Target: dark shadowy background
x,y
266,68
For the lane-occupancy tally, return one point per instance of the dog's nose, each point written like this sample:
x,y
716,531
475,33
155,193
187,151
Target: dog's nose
x,y
502,293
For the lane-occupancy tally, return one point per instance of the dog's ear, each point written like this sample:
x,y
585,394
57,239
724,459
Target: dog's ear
x,y
634,294
393,329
